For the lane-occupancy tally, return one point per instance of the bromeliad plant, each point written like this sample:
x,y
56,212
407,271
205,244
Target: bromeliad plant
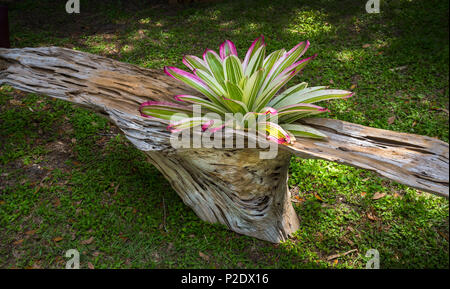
x,y
249,88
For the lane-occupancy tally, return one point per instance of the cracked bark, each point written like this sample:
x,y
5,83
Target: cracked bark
x,y
230,186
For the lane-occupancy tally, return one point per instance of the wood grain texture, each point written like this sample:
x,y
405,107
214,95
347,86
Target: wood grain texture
x,y
420,162
233,187
216,189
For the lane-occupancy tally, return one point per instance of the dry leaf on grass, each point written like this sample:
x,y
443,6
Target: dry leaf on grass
x,y
318,197
297,199
203,256
15,102
335,256
124,238
56,202
18,242
294,191
31,232
88,241
391,119
378,195
372,216
443,235
440,109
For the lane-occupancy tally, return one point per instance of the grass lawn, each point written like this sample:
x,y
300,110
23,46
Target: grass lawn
x,y
67,180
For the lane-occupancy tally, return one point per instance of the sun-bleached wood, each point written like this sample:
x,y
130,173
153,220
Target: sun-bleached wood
x,y
417,161
230,186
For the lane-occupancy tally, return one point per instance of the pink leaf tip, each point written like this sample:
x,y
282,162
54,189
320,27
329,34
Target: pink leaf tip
x,y
348,96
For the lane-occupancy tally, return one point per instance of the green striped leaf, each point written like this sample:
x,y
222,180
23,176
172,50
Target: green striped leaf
x,y
321,95
303,131
270,60
296,96
256,61
189,123
233,91
193,62
232,68
192,80
215,65
287,92
252,87
212,84
220,109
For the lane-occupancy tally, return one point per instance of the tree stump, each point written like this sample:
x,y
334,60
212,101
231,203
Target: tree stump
x,y
234,187
230,186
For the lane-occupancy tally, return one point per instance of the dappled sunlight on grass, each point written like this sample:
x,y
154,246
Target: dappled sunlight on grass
x,y
146,20
346,55
228,24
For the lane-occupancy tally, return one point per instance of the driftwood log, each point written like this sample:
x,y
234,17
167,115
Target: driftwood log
x,y
229,186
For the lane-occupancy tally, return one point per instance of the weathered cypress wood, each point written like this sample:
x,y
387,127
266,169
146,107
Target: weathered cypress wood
x,y
230,186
